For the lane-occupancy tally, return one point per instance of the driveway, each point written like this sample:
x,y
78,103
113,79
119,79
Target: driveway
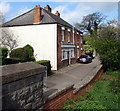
x,y
72,74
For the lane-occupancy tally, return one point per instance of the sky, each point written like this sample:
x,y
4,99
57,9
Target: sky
x,y
72,12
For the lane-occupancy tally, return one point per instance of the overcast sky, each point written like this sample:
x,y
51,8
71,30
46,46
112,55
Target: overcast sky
x,y
69,11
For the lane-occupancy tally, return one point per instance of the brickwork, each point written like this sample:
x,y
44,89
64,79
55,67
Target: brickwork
x,y
58,101
61,63
37,14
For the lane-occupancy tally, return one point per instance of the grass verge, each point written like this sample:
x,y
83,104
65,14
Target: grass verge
x,y
104,95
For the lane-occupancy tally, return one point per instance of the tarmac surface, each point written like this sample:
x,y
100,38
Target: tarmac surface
x,y
72,74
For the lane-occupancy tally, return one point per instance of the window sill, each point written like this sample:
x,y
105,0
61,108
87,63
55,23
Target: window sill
x,y
70,58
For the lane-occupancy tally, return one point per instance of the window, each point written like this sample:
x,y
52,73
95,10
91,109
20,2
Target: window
x,y
72,53
81,40
68,36
82,49
64,55
63,35
73,35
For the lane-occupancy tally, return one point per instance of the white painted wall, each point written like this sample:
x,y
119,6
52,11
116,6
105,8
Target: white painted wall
x,y
43,38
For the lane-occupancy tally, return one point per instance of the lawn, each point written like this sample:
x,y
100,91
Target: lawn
x,y
104,95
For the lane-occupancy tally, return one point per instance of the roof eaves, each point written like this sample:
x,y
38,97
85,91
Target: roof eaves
x,y
30,24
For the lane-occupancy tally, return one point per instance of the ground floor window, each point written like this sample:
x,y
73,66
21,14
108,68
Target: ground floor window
x,y
64,54
72,53
67,53
78,53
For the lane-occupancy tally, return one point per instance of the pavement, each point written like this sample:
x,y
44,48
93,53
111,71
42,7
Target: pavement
x,y
74,74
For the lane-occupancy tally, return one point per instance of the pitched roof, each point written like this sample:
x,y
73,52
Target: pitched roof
x,y
28,19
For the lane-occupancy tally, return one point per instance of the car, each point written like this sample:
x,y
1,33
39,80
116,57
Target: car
x,y
84,59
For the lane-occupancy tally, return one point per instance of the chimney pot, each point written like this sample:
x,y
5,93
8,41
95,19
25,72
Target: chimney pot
x,y
48,8
37,5
57,14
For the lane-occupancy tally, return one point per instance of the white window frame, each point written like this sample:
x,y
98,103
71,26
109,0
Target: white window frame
x,y
71,53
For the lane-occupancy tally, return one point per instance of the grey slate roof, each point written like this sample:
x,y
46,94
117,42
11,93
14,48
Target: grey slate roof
x,y
28,18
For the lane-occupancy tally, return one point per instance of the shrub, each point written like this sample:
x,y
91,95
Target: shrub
x,y
0,60
12,60
107,44
3,52
30,51
32,58
3,55
20,53
45,63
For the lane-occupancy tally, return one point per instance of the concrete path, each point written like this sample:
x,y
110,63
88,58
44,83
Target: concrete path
x,y
69,75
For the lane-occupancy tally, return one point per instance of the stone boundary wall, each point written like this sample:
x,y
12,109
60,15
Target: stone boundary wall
x,y
57,100
22,86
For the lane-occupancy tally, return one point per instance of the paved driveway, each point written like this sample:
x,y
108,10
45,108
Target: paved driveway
x,y
72,74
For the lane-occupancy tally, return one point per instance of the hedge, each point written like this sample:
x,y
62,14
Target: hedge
x,y
3,55
30,49
30,52
12,60
45,63
20,53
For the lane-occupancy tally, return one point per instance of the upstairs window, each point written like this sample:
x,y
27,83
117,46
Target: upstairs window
x,y
63,35
68,36
81,40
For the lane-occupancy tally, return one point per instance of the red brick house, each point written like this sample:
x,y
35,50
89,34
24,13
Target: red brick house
x,y
51,37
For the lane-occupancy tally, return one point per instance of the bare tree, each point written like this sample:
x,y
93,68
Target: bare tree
x,y
91,22
7,39
1,18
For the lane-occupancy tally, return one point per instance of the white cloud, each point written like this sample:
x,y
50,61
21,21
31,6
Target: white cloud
x,y
72,15
76,14
4,7
59,8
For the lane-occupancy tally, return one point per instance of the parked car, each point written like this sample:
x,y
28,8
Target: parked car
x,y
84,59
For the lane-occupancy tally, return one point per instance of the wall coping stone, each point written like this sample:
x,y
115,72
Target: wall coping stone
x,y
18,71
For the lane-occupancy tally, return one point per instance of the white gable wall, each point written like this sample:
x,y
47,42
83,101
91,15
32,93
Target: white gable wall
x,y
43,38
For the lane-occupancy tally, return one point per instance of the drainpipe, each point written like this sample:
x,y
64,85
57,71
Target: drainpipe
x,y
73,34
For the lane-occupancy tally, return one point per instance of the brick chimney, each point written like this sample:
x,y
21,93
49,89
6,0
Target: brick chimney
x,y
37,14
57,14
48,8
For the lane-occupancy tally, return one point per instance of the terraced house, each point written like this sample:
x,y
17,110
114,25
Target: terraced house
x,y
51,37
